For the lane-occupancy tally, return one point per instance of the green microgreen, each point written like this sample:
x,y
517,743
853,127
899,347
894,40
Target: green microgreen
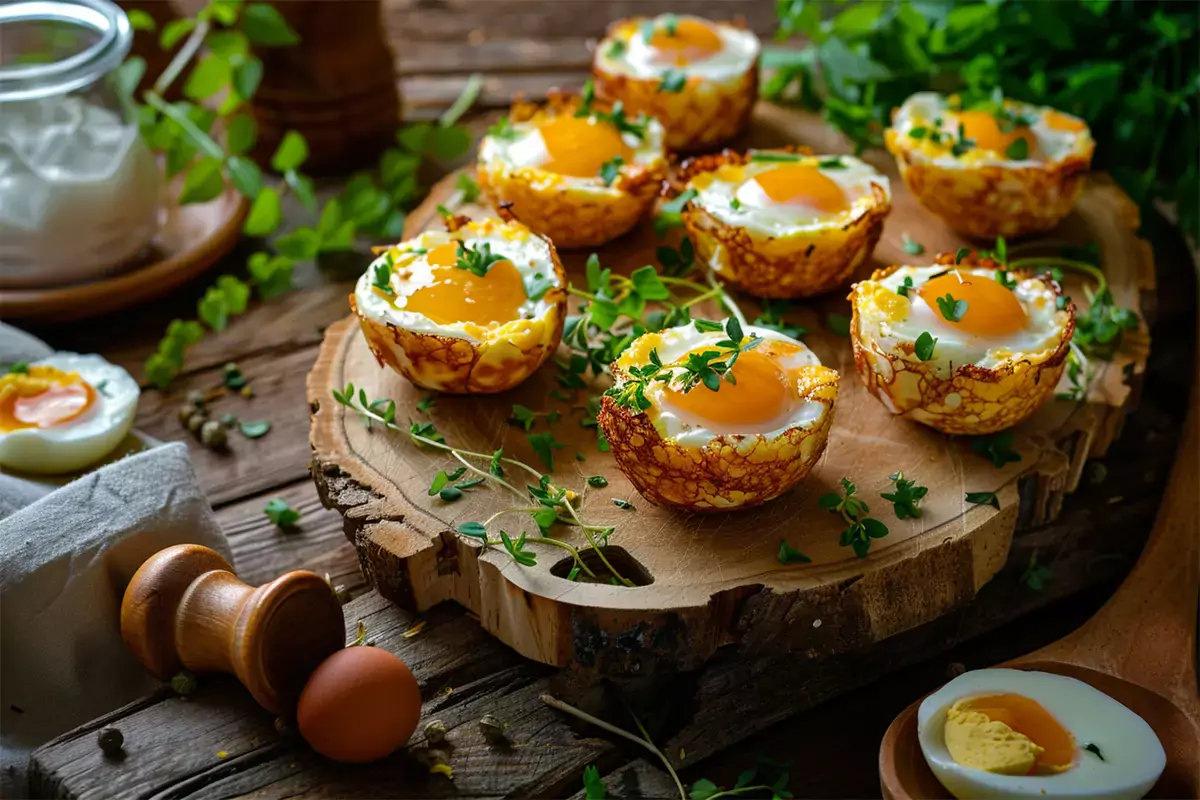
x,y
18,368
281,514
790,555
670,214
962,145
776,157
677,263
597,481
735,204
1006,279
1018,150
923,347
544,445
503,129
1077,375
960,254
616,49
467,188
611,170
833,162
1092,748
426,403
911,246
983,499
772,318
477,260
860,529
593,786
997,448
906,496
381,276
624,505
517,549
952,310
904,286
838,324
673,81
255,430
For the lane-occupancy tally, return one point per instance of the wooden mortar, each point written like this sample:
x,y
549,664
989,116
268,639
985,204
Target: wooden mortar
x,y
184,607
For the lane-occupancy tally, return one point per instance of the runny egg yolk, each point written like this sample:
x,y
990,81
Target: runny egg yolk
x,y
1056,121
42,398
1029,718
686,41
992,310
982,128
458,295
802,185
760,395
579,147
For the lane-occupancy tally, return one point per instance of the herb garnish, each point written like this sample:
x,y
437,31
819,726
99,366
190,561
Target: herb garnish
x,y
616,49
904,286
951,309
1018,150
906,497
838,324
962,144
615,117
281,514
477,260
381,276
503,129
735,204
673,81
772,318
537,284
255,430
1037,575
861,528
960,254
776,156
833,162
624,505
923,347
670,213
19,368
997,448
790,555
544,445
910,246
593,786
609,170
1092,748
983,499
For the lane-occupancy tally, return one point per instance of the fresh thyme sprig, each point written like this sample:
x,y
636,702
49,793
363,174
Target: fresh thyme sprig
x,y
479,259
551,503
860,529
906,496
615,116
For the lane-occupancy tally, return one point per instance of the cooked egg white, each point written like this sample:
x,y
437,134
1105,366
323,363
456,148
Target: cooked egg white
x,y
763,402
799,194
431,295
66,412
1005,733
697,47
999,324
1048,135
571,151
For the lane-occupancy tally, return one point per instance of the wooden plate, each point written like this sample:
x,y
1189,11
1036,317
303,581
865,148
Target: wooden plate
x,y
191,239
716,580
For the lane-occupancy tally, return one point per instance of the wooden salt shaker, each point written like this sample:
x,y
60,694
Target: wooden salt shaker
x,y
184,607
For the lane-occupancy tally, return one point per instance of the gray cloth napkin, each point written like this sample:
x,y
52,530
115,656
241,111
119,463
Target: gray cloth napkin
x,y
65,558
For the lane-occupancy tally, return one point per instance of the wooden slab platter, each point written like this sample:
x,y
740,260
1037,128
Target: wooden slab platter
x,y
710,581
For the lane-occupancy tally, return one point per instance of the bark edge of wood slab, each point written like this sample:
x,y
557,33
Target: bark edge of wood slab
x,y
706,582
1153,673
184,607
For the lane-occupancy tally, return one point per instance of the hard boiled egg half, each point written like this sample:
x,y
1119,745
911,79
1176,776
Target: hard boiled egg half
x,y
472,310
965,347
1008,733
64,412
1000,168
716,443
576,170
699,78
784,224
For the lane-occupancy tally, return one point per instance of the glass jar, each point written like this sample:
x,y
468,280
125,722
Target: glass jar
x,y
78,187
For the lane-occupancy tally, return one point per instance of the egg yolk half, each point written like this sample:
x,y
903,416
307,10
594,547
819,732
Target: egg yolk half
x,y
579,147
687,41
458,295
992,310
42,398
984,130
1056,121
803,186
760,395
1027,717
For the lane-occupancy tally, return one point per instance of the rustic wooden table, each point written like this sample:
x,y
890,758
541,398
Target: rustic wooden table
x,y
218,743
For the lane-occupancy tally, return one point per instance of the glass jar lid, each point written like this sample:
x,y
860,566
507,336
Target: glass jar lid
x,y
51,47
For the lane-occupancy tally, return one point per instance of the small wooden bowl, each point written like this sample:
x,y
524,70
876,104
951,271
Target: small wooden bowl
x,y
190,240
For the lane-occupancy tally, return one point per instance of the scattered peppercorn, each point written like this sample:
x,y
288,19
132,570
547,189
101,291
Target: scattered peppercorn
x,y
435,732
196,422
111,741
212,435
196,399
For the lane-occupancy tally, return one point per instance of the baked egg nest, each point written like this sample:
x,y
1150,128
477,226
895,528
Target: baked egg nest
x,y
698,78
699,441
474,309
784,224
1002,169
574,169
963,346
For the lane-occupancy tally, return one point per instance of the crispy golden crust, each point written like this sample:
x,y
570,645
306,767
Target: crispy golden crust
x,y
987,201
704,115
799,265
570,216
973,400
459,366
731,471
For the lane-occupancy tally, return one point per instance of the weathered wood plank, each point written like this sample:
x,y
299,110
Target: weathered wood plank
x,y
421,58
261,551
218,743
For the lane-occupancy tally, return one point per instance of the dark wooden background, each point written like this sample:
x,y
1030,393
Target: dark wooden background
x,y
527,46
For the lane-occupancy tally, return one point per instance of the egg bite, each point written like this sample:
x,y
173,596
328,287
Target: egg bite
x,y
1002,169
717,444
1009,733
576,170
966,348
784,224
471,310
64,413
699,78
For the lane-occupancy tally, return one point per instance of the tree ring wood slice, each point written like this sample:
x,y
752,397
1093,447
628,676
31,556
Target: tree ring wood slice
x,y
716,580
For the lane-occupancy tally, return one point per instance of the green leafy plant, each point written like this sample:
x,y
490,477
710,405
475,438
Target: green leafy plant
x,y
860,529
790,555
983,499
906,496
997,448
1131,70
281,514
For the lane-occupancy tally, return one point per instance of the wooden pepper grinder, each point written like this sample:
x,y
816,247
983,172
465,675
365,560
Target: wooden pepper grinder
x,y
337,86
184,607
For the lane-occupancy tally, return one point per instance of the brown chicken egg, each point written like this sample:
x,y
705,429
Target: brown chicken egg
x,y
361,704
